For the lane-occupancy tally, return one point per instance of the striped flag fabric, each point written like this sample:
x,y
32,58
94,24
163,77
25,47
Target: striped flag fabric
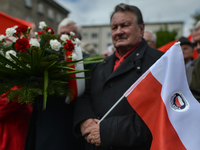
x,y
78,85
162,98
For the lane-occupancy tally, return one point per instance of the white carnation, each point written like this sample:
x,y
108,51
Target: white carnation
x,y
55,44
10,52
64,37
42,24
2,37
74,57
72,33
77,41
34,42
10,31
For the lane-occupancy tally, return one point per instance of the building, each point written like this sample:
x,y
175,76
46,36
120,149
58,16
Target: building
x,y
100,35
35,11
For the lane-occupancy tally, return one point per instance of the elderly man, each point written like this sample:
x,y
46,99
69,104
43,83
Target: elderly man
x,y
195,83
151,38
122,128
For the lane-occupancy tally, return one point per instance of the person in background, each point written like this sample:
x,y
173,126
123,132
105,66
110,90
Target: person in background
x,y
151,38
110,50
123,128
195,82
51,129
187,49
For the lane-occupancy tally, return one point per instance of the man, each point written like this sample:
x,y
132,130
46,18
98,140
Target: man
x,y
68,25
151,38
195,83
187,49
122,128
51,129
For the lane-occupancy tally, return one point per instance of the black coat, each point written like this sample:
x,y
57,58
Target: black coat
x,y
122,128
51,129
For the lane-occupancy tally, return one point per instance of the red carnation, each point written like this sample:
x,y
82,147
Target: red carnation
x,y
22,28
69,46
40,32
49,28
22,45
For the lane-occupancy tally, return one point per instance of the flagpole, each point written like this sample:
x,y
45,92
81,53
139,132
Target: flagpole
x,y
111,109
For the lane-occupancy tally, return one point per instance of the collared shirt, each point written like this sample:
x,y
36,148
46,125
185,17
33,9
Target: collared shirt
x,y
120,59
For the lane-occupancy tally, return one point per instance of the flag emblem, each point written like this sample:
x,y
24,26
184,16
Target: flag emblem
x,y
178,102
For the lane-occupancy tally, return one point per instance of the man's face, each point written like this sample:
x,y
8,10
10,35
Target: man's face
x,y
187,51
196,39
125,31
67,29
148,37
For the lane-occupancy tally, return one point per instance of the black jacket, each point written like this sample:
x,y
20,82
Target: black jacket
x,y
122,128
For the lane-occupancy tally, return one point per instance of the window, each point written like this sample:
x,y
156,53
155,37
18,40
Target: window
x,y
28,3
109,35
40,8
58,18
95,45
85,35
50,14
94,35
28,18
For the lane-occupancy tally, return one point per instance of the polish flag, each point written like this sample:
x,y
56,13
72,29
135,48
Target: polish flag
x,y
162,98
77,85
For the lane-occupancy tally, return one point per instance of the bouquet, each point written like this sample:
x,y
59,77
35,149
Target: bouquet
x,y
30,67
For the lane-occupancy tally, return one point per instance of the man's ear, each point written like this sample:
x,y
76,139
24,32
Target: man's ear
x,y
142,29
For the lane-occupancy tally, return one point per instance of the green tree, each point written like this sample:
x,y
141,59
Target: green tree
x,y
196,16
165,36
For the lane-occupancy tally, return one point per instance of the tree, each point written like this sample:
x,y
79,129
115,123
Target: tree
x,y
196,16
165,36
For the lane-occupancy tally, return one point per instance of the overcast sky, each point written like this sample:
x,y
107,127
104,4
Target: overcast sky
x,y
97,12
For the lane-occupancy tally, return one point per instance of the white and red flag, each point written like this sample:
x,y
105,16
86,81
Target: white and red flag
x,y
162,98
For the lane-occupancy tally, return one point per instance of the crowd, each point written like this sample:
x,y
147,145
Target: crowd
x,y
75,126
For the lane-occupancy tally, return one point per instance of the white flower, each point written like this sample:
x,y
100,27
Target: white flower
x,y
74,57
2,37
10,52
55,44
72,33
34,42
42,24
10,31
64,37
49,30
77,41
36,33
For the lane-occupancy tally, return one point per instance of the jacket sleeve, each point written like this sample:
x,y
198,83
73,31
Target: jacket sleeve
x,y
83,110
127,131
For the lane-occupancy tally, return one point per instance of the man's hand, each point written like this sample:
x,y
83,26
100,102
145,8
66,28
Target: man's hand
x,y
94,136
86,124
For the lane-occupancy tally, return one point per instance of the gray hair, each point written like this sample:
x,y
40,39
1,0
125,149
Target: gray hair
x,y
154,37
67,21
124,7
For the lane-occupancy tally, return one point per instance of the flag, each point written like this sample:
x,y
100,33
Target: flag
x,y
77,85
162,98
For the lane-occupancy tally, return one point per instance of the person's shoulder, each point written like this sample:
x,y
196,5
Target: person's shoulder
x,y
154,53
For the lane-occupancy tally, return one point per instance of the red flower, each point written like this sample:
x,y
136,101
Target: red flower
x,y
69,46
49,28
21,28
40,32
22,45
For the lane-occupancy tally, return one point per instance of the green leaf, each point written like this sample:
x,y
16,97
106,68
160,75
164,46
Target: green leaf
x,y
45,89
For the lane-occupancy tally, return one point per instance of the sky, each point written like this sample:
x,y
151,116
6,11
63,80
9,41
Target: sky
x,y
97,12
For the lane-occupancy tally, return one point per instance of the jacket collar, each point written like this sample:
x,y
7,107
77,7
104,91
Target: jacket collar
x,y
128,64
